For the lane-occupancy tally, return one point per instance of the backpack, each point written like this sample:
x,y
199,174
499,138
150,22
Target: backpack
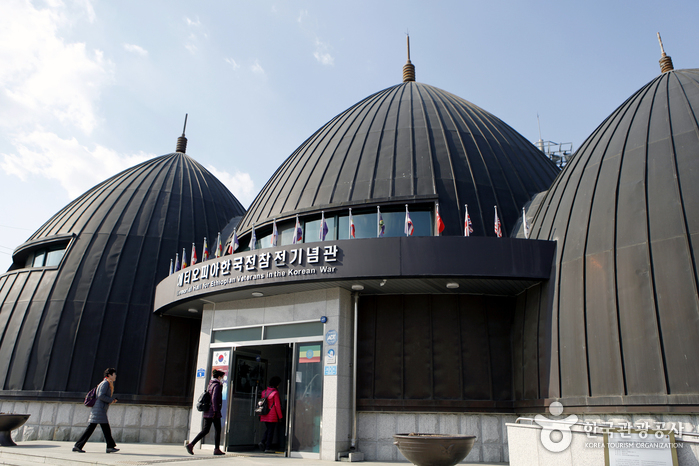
x,y
90,398
204,402
262,407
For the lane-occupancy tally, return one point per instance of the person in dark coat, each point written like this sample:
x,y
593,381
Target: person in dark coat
x,y
98,415
273,416
213,415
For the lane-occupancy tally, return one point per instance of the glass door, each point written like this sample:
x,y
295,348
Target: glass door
x,y
249,376
306,413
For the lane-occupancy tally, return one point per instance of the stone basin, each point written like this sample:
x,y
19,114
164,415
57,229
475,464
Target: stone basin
x,y
8,423
434,449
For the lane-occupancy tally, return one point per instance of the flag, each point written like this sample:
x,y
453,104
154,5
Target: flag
x,y
468,227
194,255
205,253
440,223
171,268
351,225
380,226
498,226
184,259
409,228
323,227
525,224
298,231
309,354
177,262
275,233
219,246
234,243
253,239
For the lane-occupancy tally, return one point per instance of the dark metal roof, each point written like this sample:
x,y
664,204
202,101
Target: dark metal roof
x,y
407,143
63,325
625,213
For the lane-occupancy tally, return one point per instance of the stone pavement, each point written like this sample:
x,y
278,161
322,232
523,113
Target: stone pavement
x,y
60,453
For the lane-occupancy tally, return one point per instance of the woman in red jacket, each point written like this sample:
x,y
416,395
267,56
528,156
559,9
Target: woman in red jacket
x,y
275,414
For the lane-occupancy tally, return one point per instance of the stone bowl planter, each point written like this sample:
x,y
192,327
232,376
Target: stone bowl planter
x,y
434,449
8,423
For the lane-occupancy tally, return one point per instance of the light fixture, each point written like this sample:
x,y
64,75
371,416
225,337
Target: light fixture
x,y
192,310
357,287
257,294
452,285
323,319
383,282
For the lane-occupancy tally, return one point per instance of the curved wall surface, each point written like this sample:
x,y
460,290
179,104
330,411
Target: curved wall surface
x,y
63,324
410,143
623,326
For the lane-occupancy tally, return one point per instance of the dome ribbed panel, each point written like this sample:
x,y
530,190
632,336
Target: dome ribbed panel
x,y
625,213
96,310
406,142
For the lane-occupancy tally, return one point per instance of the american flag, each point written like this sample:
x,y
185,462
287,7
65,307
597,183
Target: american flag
x,y
468,227
409,227
498,226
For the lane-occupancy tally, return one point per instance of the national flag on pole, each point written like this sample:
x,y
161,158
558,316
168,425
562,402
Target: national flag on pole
x,y
351,225
184,259
525,224
409,228
194,255
219,246
205,254
253,239
468,227
298,231
171,268
380,226
275,233
439,222
177,262
323,227
498,226
234,243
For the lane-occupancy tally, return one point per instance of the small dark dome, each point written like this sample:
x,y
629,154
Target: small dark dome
x,y
68,316
411,142
625,213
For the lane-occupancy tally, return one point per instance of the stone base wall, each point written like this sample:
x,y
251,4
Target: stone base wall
x,y
375,433
129,423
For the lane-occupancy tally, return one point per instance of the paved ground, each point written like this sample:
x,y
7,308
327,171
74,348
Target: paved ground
x,y
59,453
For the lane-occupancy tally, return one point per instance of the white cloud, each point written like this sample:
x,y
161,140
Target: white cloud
x,y
232,62
257,68
190,22
43,78
136,49
240,184
76,167
322,54
302,15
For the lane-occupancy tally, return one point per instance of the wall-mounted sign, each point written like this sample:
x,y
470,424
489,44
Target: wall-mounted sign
x,y
201,373
330,370
331,337
330,356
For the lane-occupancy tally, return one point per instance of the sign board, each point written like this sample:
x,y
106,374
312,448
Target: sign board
x,y
639,448
331,337
330,357
330,370
201,373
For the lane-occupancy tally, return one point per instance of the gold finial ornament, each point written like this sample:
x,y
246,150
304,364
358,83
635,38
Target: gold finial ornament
x,y
182,141
408,68
665,61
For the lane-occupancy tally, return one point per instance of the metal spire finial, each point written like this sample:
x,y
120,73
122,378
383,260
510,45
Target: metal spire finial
x,y
665,61
182,141
408,68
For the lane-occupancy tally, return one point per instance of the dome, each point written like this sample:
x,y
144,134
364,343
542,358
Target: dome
x,y
79,296
625,214
410,143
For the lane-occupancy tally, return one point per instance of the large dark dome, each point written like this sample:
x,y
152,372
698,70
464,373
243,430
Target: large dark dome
x,y
79,296
411,142
625,214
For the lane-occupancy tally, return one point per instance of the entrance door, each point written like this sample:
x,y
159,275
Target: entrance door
x,y
307,409
251,369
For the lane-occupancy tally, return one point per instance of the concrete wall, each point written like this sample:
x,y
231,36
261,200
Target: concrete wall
x,y
375,433
336,305
129,423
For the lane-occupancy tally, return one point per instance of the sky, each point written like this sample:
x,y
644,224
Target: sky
x,y
89,88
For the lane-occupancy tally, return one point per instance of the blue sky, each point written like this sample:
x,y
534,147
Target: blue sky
x,y
89,88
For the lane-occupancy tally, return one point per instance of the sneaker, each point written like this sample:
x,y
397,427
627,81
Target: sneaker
x,y
79,450
189,448
112,450
218,452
